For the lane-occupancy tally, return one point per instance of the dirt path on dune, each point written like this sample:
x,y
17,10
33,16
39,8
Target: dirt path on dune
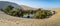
x,y
6,20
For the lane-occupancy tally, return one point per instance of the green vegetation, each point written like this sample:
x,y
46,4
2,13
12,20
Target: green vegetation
x,y
13,11
38,14
42,14
8,8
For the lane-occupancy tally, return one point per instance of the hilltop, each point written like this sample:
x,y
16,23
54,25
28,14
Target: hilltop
x,y
4,4
25,7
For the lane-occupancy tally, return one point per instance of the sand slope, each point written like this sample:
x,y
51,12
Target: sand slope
x,y
6,20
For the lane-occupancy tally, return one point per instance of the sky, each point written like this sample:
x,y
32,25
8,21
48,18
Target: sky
x,y
37,3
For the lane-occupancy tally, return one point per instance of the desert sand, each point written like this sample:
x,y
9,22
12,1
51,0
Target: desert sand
x,y
7,20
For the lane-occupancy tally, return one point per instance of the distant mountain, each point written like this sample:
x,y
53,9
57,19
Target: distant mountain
x,y
3,4
56,10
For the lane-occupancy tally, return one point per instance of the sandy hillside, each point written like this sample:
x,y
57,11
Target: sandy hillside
x,y
28,8
6,20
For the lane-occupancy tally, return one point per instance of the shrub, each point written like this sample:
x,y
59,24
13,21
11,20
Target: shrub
x,y
8,9
42,14
13,11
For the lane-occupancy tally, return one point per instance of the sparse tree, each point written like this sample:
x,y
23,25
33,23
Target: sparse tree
x,y
8,8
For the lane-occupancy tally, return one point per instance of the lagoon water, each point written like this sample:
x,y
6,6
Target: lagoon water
x,y
30,16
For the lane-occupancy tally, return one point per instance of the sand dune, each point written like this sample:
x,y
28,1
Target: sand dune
x,y
6,20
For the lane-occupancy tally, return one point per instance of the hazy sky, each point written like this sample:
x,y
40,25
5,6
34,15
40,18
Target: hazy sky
x,y
38,3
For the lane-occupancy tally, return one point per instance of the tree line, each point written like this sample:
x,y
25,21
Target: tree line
x,y
38,14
